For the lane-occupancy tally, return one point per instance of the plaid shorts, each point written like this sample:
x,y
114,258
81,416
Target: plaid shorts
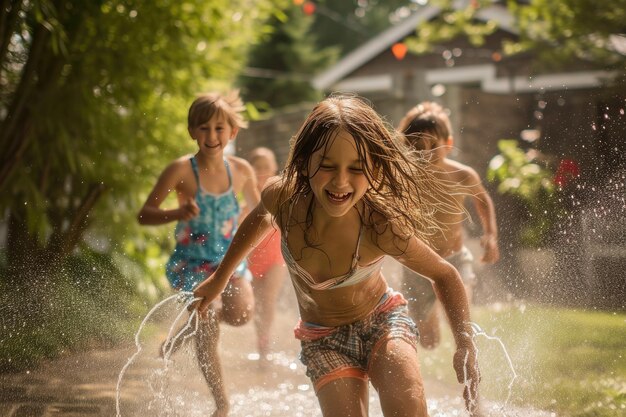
x,y
330,353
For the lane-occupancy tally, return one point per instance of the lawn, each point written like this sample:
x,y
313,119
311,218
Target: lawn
x,y
570,362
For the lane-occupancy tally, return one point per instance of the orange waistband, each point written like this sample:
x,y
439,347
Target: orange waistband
x,y
309,331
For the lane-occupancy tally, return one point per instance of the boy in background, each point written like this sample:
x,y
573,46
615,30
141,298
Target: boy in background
x,y
427,128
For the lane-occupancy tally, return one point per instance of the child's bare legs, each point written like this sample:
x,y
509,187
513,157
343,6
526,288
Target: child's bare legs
x,y
237,308
237,302
266,292
209,361
395,374
344,397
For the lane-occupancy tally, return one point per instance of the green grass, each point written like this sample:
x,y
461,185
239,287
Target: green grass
x,y
570,362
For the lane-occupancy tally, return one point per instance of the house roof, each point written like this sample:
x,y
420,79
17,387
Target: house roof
x,y
385,39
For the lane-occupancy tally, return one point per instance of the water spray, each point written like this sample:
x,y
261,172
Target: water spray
x,y
478,331
182,297
170,342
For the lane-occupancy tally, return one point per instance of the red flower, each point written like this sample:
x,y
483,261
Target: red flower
x,y
567,171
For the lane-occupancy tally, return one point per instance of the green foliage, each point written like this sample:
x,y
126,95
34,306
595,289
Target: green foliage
x,y
555,31
561,30
518,174
348,24
569,362
95,300
93,106
93,102
280,68
298,46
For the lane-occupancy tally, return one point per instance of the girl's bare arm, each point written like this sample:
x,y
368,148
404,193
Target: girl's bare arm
x,y
447,283
250,189
450,291
152,214
487,214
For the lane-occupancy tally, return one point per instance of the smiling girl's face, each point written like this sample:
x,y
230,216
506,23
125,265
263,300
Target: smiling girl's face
x,y
336,175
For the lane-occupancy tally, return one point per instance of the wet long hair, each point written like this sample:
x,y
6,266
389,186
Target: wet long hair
x,y
402,189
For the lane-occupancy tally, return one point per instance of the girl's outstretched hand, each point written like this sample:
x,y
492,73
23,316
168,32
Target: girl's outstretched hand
x,y
468,374
208,290
188,210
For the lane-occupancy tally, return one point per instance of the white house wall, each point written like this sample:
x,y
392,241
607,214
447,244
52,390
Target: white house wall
x,y
486,75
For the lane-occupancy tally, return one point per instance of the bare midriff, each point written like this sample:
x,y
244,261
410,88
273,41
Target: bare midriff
x,y
344,305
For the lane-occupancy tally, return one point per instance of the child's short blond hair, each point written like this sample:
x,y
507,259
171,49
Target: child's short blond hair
x,y
211,104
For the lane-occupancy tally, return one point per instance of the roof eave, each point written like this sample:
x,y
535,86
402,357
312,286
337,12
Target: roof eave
x,y
385,39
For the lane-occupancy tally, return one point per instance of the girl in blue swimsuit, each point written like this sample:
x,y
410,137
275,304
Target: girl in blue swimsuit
x,y
206,185
352,193
202,240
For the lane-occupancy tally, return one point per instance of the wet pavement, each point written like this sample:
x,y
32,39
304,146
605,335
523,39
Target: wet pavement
x,y
85,384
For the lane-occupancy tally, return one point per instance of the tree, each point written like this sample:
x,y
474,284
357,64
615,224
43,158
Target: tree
x,y
310,37
279,68
349,24
93,96
556,31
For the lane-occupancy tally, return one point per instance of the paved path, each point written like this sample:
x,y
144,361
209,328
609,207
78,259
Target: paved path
x,y
84,384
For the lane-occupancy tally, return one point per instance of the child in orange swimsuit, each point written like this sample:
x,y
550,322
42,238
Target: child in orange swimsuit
x,y
265,262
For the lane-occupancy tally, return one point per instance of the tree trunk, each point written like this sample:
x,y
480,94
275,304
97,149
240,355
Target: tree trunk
x,y
9,14
63,242
31,261
24,254
14,137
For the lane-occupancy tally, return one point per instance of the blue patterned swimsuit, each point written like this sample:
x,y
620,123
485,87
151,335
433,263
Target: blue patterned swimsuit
x,y
202,241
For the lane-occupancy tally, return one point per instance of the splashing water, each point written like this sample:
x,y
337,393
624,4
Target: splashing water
x,y
478,331
182,297
172,342
281,389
